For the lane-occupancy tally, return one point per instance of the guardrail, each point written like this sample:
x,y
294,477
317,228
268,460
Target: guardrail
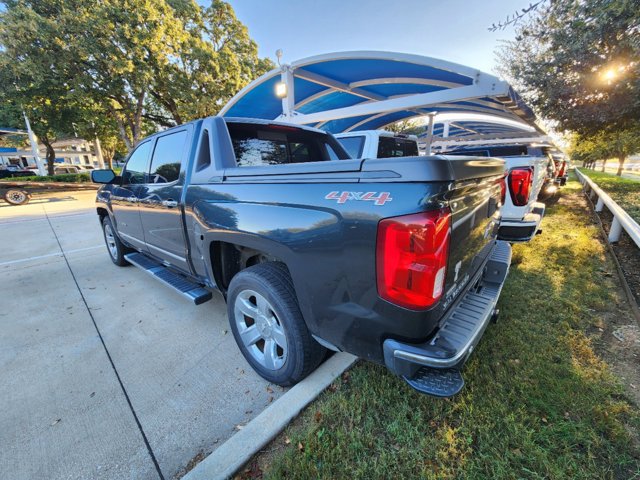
x,y
621,219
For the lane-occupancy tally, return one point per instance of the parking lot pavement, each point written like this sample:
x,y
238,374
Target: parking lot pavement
x,y
167,383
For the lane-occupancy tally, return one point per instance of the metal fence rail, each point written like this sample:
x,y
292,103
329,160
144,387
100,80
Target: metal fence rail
x,y
621,219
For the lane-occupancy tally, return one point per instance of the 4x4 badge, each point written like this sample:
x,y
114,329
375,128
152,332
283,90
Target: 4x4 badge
x,y
378,198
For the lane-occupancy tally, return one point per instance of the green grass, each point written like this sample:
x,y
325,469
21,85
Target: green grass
x,y
538,401
63,178
624,191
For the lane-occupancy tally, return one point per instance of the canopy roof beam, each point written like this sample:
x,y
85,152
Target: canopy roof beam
x,y
498,139
409,102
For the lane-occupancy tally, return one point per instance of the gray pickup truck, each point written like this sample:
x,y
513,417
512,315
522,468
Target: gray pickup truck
x,y
394,260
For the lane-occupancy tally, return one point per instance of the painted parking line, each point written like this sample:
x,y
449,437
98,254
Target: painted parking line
x,y
58,254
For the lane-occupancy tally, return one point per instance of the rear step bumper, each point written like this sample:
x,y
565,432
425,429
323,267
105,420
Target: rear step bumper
x,y
522,230
187,288
434,367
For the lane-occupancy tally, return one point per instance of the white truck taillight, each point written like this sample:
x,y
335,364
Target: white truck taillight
x,y
411,258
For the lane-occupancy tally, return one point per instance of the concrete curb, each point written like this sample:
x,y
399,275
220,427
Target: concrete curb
x,y
223,462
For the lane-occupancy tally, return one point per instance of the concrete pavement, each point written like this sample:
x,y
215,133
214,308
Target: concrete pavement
x,y
167,384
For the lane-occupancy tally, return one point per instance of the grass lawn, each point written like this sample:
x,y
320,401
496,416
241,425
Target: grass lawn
x,y
624,191
539,400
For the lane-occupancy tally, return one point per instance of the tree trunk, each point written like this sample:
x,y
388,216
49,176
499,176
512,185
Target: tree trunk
x,y
621,159
51,156
604,162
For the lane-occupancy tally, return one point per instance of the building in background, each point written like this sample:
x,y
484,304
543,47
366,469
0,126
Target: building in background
x,y
72,151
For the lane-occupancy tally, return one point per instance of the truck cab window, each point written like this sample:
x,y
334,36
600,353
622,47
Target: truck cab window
x,y
396,147
261,145
167,157
353,145
135,171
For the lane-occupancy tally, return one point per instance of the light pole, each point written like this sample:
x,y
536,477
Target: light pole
x,y
34,146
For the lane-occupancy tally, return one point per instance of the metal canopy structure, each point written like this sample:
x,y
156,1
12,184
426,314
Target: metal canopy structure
x,y
366,90
450,129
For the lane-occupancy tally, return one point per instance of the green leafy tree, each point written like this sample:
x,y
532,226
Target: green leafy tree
x,y
577,62
29,81
141,63
607,144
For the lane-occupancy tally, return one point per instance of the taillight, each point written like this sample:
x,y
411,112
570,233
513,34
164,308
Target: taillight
x,y
562,169
520,180
411,258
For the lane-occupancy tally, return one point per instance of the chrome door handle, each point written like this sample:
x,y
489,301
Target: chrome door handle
x,y
169,203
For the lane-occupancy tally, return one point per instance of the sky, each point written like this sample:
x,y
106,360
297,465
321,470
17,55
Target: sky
x,y
453,30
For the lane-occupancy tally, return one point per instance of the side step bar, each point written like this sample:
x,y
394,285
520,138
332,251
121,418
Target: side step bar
x,y
189,289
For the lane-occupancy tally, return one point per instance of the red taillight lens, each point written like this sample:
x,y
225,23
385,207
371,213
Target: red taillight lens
x,y
520,180
411,258
562,169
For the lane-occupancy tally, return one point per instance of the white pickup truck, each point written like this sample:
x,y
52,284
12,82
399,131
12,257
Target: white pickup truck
x,y
378,144
526,172
526,166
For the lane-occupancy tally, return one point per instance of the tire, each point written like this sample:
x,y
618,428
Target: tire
x,y
275,340
17,197
115,247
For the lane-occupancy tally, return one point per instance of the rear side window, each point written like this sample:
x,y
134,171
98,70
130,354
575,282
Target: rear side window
x,y
396,147
261,145
167,157
136,169
353,145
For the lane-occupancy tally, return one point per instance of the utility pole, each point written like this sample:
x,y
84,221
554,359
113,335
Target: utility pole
x,y
431,116
34,146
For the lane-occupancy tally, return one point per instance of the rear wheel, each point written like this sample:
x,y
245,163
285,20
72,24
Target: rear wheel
x,y
16,197
115,247
268,326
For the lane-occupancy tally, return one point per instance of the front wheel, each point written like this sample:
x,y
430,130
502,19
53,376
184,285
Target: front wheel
x,y
268,326
17,197
115,247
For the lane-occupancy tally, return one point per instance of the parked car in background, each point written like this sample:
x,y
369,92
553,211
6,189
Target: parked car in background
x,y
393,259
527,170
14,171
61,169
378,144
561,162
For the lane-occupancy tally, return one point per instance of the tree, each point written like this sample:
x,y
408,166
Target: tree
x,y
216,59
30,82
606,144
141,63
576,62
411,126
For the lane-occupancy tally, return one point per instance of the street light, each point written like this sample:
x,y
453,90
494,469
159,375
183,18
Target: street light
x,y
281,89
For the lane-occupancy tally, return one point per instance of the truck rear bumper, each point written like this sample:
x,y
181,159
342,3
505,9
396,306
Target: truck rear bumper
x,y
440,359
522,230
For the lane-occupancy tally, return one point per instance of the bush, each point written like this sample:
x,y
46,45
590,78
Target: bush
x,y
64,178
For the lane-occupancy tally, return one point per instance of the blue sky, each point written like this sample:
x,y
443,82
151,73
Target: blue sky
x,y
453,30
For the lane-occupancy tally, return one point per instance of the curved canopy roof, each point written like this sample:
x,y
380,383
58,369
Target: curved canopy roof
x,y
365,90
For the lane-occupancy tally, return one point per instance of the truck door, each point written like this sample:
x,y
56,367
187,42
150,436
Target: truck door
x,y
160,207
124,199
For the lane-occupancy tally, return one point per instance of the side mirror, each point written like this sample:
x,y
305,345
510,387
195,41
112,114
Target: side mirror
x,y
102,176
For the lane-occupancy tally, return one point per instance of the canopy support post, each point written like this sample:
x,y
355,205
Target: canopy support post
x,y
430,132
288,101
